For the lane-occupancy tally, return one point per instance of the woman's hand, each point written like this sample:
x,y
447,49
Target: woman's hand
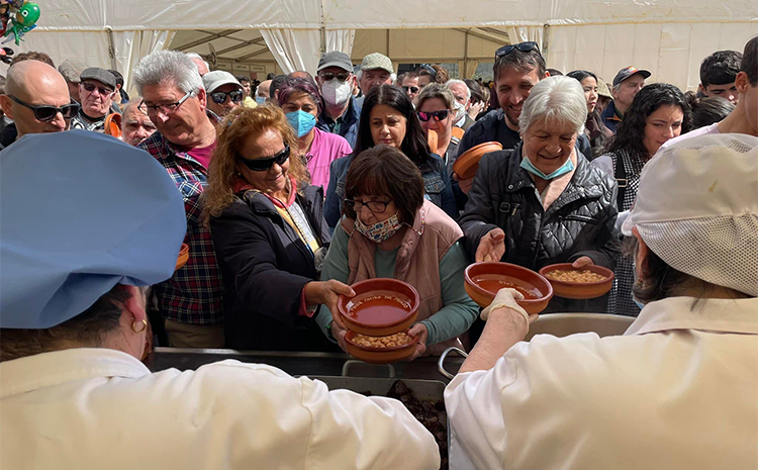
x,y
475,109
465,185
582,262
338,333
328,293
491,246
419,330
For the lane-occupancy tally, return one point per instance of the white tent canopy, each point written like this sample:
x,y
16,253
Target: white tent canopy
x,y
667,37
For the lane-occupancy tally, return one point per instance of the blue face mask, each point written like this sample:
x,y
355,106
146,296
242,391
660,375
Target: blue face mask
x,y
528,166
260,100
301,121
638,303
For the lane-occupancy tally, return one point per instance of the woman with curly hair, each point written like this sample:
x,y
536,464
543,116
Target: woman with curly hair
x,y
658,113
269,235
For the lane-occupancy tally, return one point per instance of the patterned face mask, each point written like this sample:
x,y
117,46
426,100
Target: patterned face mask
x,y
379,231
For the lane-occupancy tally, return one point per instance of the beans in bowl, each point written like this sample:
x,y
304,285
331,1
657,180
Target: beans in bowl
x,y
381,342
583,276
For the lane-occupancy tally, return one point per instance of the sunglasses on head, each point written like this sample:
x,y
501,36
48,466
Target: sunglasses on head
x,y
328,76
264,164
219,97
429,69
412,89
91,87
527,46
46,113
440,115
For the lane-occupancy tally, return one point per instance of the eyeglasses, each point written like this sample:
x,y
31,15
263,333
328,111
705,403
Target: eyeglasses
x,y
413,89
527,46
47,113
219,97
328,76
164,109
91,87
263,164
373,206
438,116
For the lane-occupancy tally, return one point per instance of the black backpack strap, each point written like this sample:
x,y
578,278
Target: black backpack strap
x,y
620,175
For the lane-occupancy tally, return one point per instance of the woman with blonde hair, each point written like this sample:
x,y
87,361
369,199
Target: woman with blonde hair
x,y
269,235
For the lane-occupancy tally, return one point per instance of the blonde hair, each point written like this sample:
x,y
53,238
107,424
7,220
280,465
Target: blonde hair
x,y
235,129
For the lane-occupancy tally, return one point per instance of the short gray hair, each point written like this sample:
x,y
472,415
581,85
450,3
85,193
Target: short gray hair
x,y
195,55
172,67
556,99
453,81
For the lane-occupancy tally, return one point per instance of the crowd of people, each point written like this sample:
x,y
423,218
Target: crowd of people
x,y
292,189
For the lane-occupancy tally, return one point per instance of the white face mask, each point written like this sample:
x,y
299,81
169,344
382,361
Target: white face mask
x,y
335,92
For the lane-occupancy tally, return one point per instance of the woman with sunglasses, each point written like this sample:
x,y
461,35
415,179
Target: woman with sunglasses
x,y
301,101
390,230
269,235
388,118
435,108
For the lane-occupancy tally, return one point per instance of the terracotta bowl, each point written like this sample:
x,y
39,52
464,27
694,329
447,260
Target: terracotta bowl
x,y
466,165
183,257
433,140
580,290
483,280
379,355
381,307
113,125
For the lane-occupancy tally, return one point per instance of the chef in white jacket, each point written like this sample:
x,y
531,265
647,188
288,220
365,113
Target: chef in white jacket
x,y
679,390
87,220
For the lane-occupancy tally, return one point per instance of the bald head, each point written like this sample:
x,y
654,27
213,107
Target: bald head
x,y
263,89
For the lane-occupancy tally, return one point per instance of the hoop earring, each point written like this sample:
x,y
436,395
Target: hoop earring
x,y
144,326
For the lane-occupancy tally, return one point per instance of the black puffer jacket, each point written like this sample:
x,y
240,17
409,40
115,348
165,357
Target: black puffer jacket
x,y
579,223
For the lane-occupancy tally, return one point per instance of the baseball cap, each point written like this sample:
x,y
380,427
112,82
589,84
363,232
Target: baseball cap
x,y
697,209
335,59
212,81
627,72
101,75
72,70
377,61
118,219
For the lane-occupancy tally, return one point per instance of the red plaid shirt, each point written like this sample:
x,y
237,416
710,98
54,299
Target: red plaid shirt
x,y
194,293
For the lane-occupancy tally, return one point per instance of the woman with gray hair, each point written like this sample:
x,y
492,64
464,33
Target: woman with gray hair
x,y
678,389
542,203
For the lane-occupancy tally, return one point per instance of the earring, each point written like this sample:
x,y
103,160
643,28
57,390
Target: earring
x,y
144,326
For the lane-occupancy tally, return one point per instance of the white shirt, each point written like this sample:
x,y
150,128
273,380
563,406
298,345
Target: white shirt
x,y
678,391
103,409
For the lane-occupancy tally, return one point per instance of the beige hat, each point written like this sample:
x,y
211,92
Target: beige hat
x,y
72,70
602,88
377,61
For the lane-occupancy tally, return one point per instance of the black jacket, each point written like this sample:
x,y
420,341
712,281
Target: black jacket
x,y
579,223
265,267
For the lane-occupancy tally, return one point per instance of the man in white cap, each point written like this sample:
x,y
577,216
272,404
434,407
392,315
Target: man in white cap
x,y
74,393
224,92
341,113
678,389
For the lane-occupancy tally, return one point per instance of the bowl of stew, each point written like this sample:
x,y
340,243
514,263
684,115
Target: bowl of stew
x,y
483,280
380,349
588,282
381,307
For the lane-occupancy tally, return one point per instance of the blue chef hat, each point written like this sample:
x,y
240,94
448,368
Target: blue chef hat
x,y
79,213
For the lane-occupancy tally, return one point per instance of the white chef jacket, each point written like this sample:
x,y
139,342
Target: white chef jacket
x,y
679,390
103,409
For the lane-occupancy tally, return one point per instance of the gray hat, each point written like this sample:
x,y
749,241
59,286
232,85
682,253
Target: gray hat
x,y
377,61
212,81
72,70
335,59
101,75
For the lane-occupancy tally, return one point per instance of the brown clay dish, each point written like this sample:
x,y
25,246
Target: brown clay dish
x,y
381,307
379,355
113,125
183,257
466,165
580,290
483,280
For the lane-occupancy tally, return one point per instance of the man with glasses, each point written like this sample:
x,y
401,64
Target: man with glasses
x,y
410,85
96,90
37,99
224,92
341,112
175,100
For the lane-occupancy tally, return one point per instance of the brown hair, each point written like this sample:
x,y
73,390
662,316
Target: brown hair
x,y
435,73
235,129
435,90
386,171
33,55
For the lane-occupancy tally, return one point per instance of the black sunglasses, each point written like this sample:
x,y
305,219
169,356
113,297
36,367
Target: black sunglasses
x,y
527,46
46,113
263,164
413,89
440,115
328,76
219,97
90,87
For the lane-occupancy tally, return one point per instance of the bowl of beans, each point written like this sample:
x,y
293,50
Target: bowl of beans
x,y
583,283
381,307
380,349
483,280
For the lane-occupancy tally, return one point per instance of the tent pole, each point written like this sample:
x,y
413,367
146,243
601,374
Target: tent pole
x,y
111,48
464,74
